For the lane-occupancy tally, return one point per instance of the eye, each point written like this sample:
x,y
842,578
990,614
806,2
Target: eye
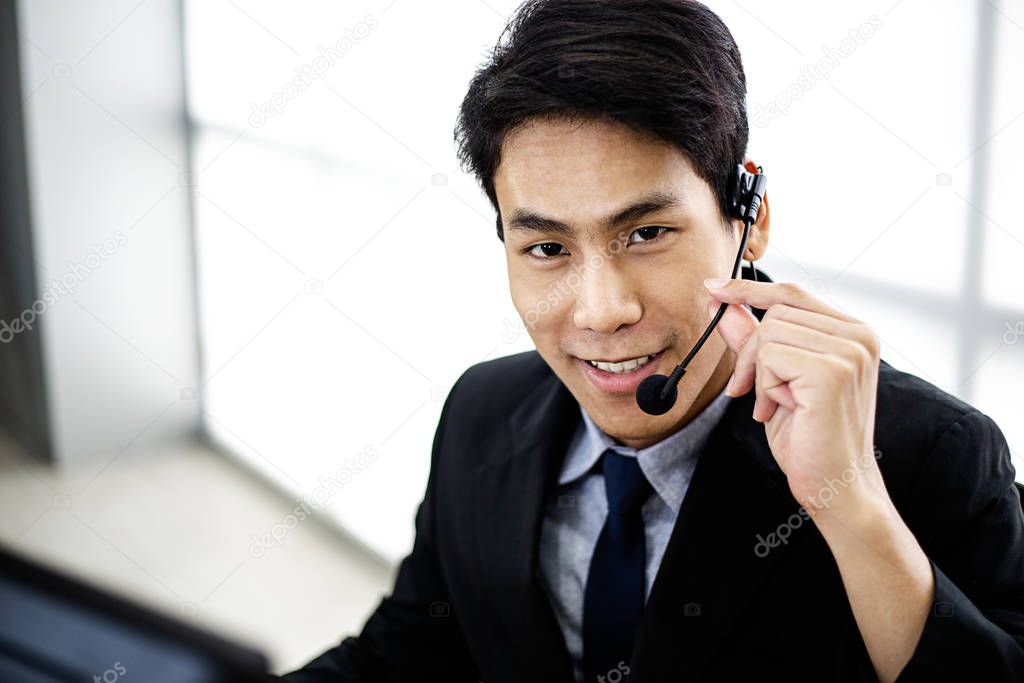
x,y
646,234
547,250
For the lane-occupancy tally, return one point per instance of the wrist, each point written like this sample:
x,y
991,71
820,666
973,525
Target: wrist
x,y
860,514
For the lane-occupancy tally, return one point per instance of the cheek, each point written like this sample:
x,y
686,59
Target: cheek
x,y
523,290
527,294
541,308
542,300
519,286
679,299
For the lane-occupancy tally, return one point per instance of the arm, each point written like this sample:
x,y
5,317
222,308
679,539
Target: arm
x,y
887,577
975,625
918,622
403,640
816,371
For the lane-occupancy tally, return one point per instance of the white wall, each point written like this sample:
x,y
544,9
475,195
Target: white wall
x,y
334,269
107,157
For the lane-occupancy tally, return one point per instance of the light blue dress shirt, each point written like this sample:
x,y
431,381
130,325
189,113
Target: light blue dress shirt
x,y
574,518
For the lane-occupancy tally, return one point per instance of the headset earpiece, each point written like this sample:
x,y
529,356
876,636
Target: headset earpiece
x,y
747,193
657,393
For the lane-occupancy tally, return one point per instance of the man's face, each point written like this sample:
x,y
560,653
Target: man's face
x,y
589,289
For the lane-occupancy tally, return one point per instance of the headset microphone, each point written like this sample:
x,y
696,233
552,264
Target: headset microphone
x,y
657,394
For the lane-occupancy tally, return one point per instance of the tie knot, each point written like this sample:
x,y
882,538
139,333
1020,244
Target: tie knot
x,y
624,483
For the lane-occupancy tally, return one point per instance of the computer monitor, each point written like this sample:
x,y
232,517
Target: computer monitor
x,y
54,628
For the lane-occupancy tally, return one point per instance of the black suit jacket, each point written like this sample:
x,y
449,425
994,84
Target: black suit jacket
x,y
468,604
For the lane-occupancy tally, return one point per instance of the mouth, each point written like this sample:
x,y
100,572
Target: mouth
x,y
621,367
620,376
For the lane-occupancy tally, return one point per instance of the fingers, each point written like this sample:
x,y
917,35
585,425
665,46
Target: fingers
x,y
767,383
798,335
765,294
736,325
777,365
792,334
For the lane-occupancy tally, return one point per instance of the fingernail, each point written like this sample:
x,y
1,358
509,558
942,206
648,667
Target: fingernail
x,y
728,387
714,283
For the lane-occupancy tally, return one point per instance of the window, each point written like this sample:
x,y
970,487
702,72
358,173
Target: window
x,y
349,272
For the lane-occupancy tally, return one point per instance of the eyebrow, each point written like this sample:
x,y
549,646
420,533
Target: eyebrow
x,y
527,219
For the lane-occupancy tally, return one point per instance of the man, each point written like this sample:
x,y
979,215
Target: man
x,y
803,512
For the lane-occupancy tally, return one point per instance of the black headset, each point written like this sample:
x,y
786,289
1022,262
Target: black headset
x,y
657,394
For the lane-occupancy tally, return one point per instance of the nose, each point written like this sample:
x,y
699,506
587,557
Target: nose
x,y
606,300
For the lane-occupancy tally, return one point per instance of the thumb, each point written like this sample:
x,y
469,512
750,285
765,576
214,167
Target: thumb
x,y
736,325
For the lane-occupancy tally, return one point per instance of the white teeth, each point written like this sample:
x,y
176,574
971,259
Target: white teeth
x,y
623,367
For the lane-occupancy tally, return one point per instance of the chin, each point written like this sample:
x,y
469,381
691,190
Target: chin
x,y
619,416
631,422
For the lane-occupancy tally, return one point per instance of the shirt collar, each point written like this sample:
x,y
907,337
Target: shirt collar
x,y
667,464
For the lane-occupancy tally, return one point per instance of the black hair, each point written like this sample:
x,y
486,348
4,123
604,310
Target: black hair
x,y
667,68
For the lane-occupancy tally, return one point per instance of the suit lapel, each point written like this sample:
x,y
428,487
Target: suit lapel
x,y
737,492
710,570
512,488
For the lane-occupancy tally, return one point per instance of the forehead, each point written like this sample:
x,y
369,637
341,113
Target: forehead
x,y
580,170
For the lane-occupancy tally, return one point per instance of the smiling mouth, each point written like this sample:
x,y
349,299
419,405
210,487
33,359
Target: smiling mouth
x,y
622,367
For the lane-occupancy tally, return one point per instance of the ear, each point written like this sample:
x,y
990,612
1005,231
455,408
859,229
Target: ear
x,y
757,241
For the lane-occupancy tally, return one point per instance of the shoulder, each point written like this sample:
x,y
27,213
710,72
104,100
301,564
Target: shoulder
x,y
911,411
915,417
939,455
498,386
510,377
488,392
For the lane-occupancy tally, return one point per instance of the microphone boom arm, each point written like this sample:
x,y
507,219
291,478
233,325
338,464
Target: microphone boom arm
x,y
657,393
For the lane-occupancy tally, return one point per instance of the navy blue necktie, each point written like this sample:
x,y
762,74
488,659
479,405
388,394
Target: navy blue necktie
x,y
614,597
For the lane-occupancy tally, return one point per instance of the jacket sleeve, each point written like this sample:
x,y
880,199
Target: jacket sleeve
x,y
975,628
414,634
